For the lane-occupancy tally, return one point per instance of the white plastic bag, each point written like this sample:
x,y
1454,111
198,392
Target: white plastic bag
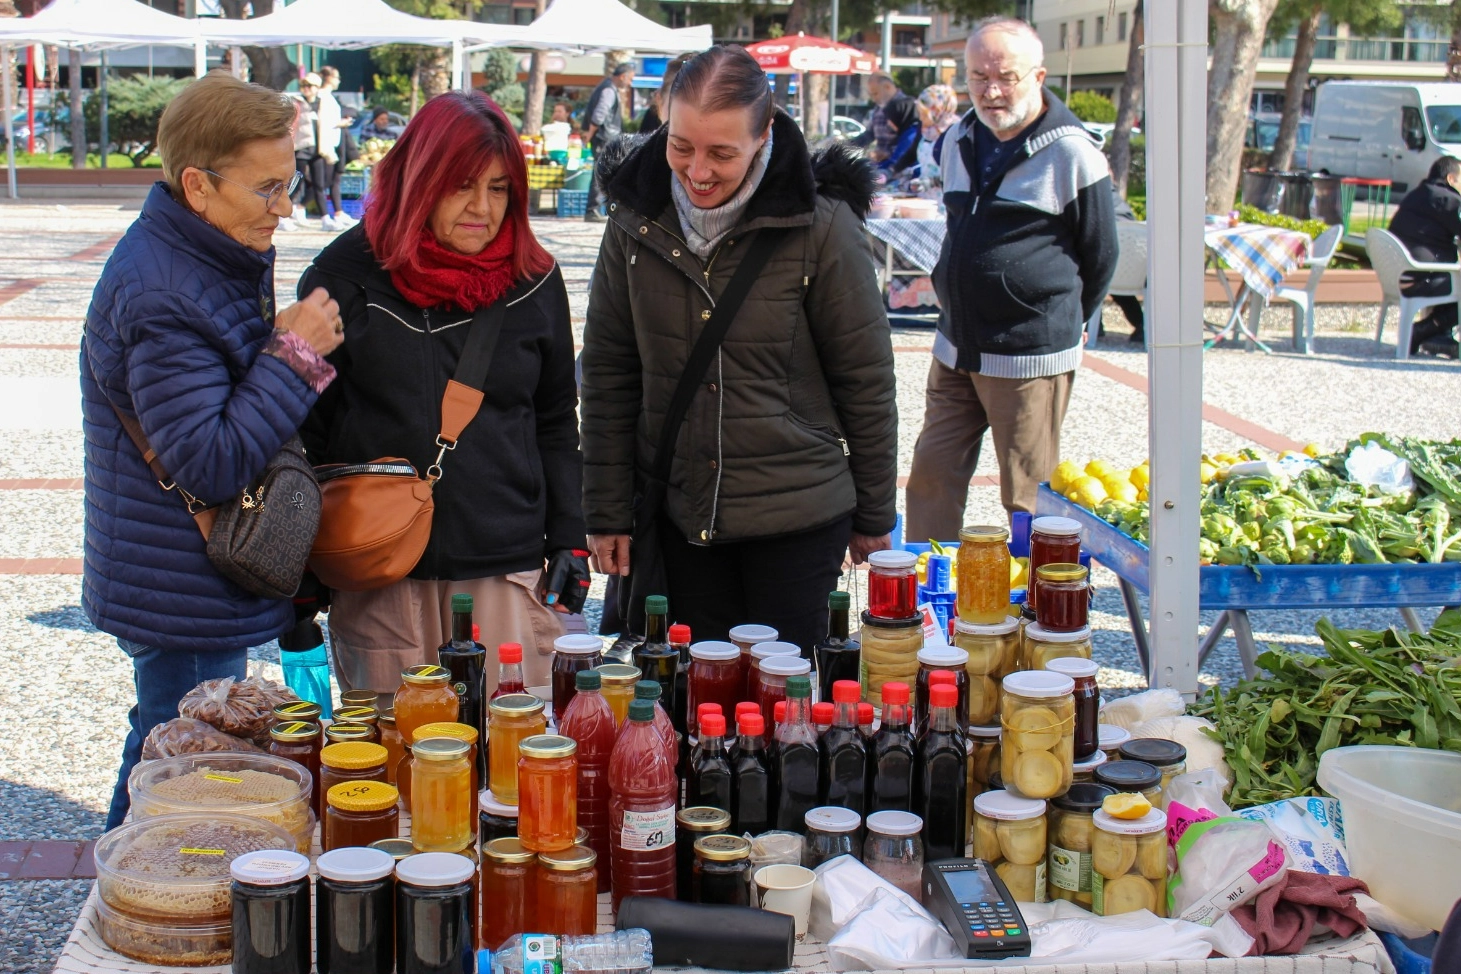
x,y
1202,751
1310,830
843,887
1374,466
1127,712
1201,790
1222,862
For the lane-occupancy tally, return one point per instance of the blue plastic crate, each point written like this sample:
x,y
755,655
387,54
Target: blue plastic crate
x,y
572,202
353,185
355,208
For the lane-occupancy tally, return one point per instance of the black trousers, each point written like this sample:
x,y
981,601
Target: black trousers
x,y
780,582
595,189
1442,316
316,180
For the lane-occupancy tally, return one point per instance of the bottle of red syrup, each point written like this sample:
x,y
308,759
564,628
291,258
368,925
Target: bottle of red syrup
x,y
642,789
590,721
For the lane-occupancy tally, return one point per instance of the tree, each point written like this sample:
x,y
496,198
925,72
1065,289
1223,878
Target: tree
x,y
134,107
1131,101
1364,17
78,122
433,64
1238,30
1091,106
269,66
537,86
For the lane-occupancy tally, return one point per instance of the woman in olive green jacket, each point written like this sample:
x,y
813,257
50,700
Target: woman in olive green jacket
x,y
788,455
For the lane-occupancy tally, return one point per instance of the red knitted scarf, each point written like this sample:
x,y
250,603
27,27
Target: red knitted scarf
x,y
447,277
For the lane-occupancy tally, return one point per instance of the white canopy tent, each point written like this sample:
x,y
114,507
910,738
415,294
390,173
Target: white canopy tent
x,y
602,25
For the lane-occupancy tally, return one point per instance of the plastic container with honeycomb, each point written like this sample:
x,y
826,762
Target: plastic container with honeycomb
x,y
257,785
175,867
166,943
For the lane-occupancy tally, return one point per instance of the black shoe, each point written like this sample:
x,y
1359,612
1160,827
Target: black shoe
x,y
594,216
1138,338
1423,331
1441,346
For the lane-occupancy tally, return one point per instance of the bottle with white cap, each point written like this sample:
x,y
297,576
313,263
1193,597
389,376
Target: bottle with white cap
x,y
271,916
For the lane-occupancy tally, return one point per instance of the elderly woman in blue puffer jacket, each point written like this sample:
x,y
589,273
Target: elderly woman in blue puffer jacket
x,y
182,335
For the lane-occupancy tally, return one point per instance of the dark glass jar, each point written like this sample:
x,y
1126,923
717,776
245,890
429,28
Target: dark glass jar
x,y
434,905
299,741
692,824
931,659
1168,757
360,698
1132,776
572,654
495,820
397,849
1063,596
358,813
355,927
722,873
1087,702
1053,540
271,917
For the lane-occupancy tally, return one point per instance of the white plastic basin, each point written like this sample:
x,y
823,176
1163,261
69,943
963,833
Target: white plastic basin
x,y
1402,824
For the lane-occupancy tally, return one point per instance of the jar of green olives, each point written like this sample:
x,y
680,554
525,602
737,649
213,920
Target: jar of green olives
x,y
1070,829
1009,831
1129,864
1037,749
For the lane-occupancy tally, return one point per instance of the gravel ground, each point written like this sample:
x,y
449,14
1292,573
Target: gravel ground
x,y
37,917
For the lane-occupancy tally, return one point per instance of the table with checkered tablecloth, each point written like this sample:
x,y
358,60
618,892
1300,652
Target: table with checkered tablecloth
x,y
1262,256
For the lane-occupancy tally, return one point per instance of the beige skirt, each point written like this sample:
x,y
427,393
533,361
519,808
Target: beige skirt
x,y
375,635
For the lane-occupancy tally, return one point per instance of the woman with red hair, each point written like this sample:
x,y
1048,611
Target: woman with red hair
x,y
445,239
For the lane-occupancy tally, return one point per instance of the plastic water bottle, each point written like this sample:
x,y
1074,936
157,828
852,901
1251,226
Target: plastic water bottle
x,y
620,952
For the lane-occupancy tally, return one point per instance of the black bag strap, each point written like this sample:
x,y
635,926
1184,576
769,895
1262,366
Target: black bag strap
x,y
708,344
463,396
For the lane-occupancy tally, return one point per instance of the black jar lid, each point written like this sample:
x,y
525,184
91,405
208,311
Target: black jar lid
x,y
1082,797
878,622
1154,751
1127,775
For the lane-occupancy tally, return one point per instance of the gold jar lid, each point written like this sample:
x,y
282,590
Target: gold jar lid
x,y
339,733
703,818
1059,571
295,731
439,749
359,698
518,704
547,746
357,715
297,710
353,756
397,849
619,674
723,848
984,533
388,717
461,732
426,675
571,860
508,850
362,796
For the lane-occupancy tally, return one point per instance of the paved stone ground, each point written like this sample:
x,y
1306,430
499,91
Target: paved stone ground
x,y
67,687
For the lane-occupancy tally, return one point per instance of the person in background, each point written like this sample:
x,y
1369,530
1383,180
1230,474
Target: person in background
x,y
896,113
336,146
603,123
1427,223
788,455
562,113
1129,304
938,110
445,238
182,337
379,126
1030,250
307,156
654,115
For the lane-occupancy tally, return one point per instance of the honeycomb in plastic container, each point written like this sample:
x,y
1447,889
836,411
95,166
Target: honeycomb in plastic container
x,y
237,789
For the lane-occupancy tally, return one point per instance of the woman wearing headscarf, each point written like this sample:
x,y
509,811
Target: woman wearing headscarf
x,y
938,110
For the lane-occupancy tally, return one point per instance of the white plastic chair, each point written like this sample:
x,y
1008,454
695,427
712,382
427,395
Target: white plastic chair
x,y
1391,260
1303,299
1130,275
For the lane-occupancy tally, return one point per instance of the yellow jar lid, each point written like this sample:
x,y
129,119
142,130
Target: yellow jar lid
x,y
462,732
1061,572
547,746
353,755
723,848
439,749
571,860
362,796
298,710
984,533
517,704
339,733
295,730
507,850
426,675
618,674
703,818
357,715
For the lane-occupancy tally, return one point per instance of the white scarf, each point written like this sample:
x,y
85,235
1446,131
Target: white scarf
x,y
705,226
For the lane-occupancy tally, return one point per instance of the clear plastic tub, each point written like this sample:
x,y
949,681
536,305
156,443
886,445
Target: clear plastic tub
x,y
166,943
257,785
1402,824
175,867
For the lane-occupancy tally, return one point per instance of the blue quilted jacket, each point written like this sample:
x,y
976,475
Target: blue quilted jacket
x,y
173,336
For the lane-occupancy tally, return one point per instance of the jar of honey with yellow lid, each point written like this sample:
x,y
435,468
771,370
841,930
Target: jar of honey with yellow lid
x,y
426,696
359,813
365,716
341,733
351,761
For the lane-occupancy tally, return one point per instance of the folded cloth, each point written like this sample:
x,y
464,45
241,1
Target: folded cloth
x,y
1282,918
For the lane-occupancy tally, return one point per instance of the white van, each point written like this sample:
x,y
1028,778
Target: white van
x,y
1385,130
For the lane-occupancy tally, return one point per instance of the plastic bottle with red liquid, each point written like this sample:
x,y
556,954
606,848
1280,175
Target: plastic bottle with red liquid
x,y
590,721
649,691
642,788
509,670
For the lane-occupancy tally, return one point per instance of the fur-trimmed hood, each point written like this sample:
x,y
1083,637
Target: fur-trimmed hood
x,y
636,174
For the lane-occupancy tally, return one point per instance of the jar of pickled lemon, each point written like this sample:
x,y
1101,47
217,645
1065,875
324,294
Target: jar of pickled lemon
x,y
1009,831
1042,645
983,571
1129,864
1070,827
983,756
889,654
994,653
1037,749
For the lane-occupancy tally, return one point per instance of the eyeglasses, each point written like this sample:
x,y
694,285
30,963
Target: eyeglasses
x,y
274,194
1005,82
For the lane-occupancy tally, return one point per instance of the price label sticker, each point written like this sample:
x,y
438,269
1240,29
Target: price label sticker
x,y
648,831
224,777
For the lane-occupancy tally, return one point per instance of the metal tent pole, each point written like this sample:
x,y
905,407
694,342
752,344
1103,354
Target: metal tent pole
x,y
101,84
1176,93
832,78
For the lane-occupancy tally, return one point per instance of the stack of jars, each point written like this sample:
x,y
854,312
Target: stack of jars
x,y
1060,594
892,628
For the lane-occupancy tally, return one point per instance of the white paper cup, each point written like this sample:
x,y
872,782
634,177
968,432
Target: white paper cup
x,y
787,889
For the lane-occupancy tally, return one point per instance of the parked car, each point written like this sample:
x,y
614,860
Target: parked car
x,y
1384,130
846,128
1263,133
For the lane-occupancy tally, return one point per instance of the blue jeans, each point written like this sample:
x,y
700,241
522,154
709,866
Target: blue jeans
x,y
162,678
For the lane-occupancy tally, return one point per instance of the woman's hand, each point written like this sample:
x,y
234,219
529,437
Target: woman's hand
x,y
863,545
316,319
611,553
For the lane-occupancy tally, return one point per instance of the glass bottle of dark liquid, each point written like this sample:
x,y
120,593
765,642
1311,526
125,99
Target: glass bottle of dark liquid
x,y
794,764
710,778
509,670
893,754
466,659
941,783
843,779
838,656
680,643
751,794
656,658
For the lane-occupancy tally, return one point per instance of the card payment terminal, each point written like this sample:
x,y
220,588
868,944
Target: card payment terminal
x,y
975,907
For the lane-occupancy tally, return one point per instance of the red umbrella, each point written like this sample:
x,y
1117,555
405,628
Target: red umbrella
x,y
788,55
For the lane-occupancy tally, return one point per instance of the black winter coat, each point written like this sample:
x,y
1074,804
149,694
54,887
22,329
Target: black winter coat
x,y
510,491
1428,222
